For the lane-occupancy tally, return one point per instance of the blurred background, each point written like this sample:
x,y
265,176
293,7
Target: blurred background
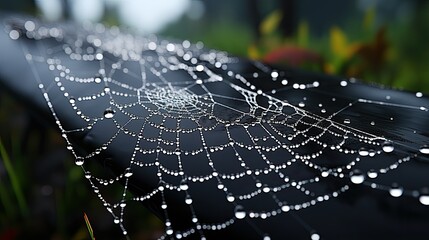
x,y
42,194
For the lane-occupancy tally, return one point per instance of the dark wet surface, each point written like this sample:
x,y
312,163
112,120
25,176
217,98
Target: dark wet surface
x,y
334,111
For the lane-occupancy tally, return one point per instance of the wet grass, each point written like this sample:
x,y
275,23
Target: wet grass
x,y
43,195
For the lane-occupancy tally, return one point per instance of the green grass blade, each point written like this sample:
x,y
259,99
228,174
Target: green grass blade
x,y
6,201
88,225
14,180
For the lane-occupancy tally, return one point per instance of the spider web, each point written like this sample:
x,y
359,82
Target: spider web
x,y
195,119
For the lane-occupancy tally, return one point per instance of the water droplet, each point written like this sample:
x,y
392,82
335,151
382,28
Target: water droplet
x,y
29,26
116,220
396,191
346,121
239,212
343,83
169,231
424,149
357,177
72,100
363,152
424,196
424,199
199,68
388,147
274,74
230,197
188,200
14,34
170,47
419,94
79,162
99,56
266,189
372,173
109,113
285,208
284,82
266,237
128,172
177,151
97,79
183,185
315,236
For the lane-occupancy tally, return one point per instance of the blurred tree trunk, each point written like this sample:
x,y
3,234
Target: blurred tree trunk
x,y
288,23
66,9
255,17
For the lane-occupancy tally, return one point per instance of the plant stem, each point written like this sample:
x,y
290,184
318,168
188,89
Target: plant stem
x,y
6,201
14,180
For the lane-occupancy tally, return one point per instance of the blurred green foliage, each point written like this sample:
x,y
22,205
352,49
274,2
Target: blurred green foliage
x,y
390,52
394,54
228,36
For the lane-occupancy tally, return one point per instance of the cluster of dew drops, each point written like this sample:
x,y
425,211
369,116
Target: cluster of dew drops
x,y
356,176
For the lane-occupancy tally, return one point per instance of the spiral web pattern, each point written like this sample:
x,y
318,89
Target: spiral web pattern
x,y
222,110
